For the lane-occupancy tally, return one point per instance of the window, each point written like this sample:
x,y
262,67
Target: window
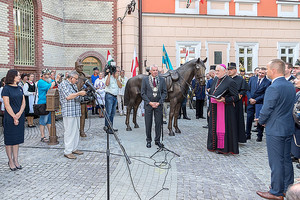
x,y
181,49
24,32
180,7
287,8
288,52
247,56
218,57
246,7
218,7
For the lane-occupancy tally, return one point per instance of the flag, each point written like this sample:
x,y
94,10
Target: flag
x,y
166,59
188,3
202,1
109,59
187,55
134,64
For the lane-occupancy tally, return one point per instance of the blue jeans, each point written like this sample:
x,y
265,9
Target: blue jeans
x,y
110,107
45,119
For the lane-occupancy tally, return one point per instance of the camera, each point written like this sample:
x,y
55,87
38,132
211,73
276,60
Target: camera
x,y
111,67
89,97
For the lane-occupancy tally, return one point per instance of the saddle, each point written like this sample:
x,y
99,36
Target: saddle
x,y
170,76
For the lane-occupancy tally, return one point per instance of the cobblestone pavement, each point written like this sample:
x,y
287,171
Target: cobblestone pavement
x,y
196,174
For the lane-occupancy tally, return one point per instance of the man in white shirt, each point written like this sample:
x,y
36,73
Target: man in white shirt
x,y
123,79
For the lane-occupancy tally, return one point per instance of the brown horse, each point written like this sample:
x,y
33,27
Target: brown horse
x,y
179,88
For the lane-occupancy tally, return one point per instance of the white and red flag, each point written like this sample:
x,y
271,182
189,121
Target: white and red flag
x,y
109,59
134,64
187,54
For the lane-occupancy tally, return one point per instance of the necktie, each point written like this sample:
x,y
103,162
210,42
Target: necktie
x,y
154,82
258,83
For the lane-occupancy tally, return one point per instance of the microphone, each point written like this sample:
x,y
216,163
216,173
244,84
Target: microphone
x,y
90,85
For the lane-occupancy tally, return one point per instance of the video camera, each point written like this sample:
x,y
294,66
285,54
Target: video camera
x,y
111,67
89,97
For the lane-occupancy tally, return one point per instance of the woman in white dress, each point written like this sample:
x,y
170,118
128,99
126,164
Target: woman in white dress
x,y
100,86
29,90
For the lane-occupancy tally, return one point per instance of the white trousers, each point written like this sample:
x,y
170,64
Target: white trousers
x,y
71,135
120,99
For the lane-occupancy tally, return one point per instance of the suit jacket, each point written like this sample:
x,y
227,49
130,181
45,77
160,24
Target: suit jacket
x,y
147,92
277,111
255,92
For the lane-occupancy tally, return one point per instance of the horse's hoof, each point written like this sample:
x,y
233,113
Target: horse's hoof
x,y
171,133
128,129
136,126
177,131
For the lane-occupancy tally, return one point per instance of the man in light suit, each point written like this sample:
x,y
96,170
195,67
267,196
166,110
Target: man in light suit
x,y
276,115
258,86
154,92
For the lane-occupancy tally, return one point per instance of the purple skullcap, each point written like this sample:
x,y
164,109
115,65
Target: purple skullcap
x,y
223,66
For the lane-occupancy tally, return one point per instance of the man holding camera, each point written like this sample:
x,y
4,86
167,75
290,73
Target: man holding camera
x,y
113,84
71,112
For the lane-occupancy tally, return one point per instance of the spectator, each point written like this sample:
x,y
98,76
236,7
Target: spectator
x,y
14,118
29,90
71,112
94,77
100,87
295,148
43,85
24,78
199,91
288,72
121,106
2,108
113,84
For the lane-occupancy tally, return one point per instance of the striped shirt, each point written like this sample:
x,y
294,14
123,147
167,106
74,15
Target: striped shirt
x,y
69,108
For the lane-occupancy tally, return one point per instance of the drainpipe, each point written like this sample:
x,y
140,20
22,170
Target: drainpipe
x,y
140,38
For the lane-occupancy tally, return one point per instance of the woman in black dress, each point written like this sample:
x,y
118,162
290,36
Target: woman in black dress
x,y
295,148
14,117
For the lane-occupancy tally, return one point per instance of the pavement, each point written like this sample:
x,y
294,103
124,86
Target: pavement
x,y
196,174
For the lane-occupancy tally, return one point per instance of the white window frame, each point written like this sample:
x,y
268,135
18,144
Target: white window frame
x,y
288,14
254,46
179,10
179,44
207,51
211,11
246,13
294,45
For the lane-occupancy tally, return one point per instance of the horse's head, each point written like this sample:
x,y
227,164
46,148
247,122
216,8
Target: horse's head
x,y
200,70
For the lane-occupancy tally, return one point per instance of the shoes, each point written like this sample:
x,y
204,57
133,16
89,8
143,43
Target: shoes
x,y
12,169
248,137
105,128
202,117
268,195
109,131
20,167
70,156
115,130
298,166
179,117
160,145
259,139
148,145
164,122
31,126
206,126
187,118
82,135
197,117
77,152
44,139
255,130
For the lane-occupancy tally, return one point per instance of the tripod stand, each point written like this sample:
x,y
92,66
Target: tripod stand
x,y
162,147
94,92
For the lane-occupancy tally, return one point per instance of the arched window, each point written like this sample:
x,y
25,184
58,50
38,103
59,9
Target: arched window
x,y
24,32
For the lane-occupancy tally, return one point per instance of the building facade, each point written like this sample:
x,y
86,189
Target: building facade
x,y
54,34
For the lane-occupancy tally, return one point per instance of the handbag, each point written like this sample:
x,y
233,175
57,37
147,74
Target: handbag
x,y
39,109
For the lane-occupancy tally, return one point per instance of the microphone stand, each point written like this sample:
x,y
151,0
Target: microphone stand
x,y
94,92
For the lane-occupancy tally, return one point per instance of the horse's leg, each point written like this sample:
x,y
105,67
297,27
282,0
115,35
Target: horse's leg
x,y
171,115
128,128
177,107
135,109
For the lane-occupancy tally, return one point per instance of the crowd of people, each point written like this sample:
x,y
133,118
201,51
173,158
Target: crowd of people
x,y
267,96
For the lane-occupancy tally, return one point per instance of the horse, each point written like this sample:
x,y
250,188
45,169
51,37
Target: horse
x,y
178,82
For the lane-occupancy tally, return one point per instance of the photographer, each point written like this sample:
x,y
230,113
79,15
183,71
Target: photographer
x,y
113,84
71,112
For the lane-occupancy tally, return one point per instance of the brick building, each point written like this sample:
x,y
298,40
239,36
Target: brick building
x,y
35,34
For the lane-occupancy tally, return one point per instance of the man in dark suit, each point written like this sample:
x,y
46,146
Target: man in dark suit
x,y
257,86
154,92
288,72
276,115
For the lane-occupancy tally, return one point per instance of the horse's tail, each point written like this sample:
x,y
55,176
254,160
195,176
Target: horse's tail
x,y
127,94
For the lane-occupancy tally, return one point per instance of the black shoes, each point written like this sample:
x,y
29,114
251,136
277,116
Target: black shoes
x,y
160,145
298,166
255,130
12,169
206,126
259,139
202,117
197,117
248,137
20,167
187,118
148,145
164,122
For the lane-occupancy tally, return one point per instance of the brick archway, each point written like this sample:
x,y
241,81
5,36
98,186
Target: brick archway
x,y
95,54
